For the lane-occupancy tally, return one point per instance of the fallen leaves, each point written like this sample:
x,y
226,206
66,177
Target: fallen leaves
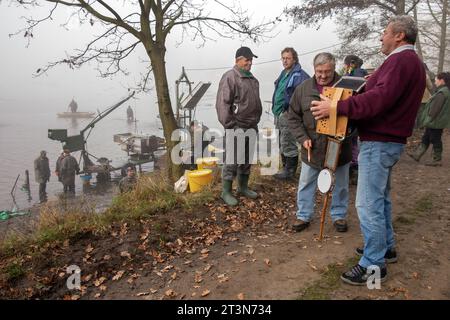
x,y
170,293
313,267
89,248
87,278
207,268
141,294
232,253
99,281
118,275
267,262
205,293
125,254
222,278
240,296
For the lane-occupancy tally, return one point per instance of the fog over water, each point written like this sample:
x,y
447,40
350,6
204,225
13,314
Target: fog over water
x,y
28,105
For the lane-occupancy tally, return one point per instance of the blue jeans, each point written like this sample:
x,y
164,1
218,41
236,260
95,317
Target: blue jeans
x,y
373,201
306,194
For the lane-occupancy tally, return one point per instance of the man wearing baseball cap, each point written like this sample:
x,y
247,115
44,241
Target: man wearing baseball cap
x,y
239,110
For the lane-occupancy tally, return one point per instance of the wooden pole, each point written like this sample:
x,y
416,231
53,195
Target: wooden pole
x,y
322,215
27,180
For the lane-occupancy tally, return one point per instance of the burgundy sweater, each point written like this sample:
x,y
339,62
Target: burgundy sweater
x,y
387,110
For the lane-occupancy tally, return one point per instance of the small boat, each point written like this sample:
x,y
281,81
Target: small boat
x,y
73,113
76,114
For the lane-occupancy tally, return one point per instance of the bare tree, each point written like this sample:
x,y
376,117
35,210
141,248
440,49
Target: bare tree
x,y
129,24
432,16
359,21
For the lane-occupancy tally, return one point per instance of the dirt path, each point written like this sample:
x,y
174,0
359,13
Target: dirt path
x,y
250,253
271,262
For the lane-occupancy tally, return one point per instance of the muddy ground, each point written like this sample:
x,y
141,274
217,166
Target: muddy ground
x,y
214,252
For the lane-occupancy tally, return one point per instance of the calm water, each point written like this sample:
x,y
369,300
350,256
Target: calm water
x,y
23,133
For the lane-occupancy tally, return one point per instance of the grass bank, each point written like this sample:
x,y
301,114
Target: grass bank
x,y
152,195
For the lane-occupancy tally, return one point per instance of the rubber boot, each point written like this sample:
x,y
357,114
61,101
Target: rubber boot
x,y
436,161
289,170
226,195
283,160
419,152
243,187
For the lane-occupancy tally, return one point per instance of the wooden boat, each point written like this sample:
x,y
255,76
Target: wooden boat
x,y
76,114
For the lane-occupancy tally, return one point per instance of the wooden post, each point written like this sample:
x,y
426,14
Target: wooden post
x,y
323,214
27,180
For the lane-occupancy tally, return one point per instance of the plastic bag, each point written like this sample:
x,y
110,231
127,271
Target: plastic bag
x,y
181,185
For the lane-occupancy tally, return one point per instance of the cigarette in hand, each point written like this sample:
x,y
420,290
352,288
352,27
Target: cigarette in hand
x,y
309,154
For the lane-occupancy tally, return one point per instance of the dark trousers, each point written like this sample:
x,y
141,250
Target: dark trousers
x,y
69,188
241,162
42,192
434,137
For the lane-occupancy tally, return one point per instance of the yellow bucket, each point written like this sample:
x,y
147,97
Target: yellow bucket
x,y
199,178
204,163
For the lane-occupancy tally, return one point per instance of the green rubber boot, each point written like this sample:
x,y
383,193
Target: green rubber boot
x,y
418,153
226,195
243,187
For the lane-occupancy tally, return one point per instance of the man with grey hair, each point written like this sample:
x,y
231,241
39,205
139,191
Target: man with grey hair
x,y
314,146
384,114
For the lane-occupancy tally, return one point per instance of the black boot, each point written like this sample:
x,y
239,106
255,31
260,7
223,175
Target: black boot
x,y
283,160
436,161
288,172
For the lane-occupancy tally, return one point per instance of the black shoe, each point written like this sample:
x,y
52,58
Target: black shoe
x,y
289,170
390,255
300,225
358,275
340,225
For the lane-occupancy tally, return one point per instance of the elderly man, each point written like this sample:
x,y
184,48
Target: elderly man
x,y
385,115
42,174
303,126
291,76
239,110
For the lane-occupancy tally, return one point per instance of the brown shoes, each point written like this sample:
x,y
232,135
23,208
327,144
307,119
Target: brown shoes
x,y
340,225
300,225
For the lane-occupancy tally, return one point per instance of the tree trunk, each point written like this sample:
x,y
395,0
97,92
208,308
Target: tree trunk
x,y
168,121
443,44
418,43
401,5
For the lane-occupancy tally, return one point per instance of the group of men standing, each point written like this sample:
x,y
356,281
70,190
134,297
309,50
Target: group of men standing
x,y
66,169
384,115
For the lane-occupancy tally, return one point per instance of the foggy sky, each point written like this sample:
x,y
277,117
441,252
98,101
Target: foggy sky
x,y
54,90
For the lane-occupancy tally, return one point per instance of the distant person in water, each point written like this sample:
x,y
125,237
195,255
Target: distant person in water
x,y
42,174
69,167
130,115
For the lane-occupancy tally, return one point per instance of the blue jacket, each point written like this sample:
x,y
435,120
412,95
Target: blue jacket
x,y
296,77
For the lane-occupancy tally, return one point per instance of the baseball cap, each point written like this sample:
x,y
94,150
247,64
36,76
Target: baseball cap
x,y
245,52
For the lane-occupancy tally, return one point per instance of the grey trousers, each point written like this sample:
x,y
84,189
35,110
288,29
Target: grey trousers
x,y
243,155
288,143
